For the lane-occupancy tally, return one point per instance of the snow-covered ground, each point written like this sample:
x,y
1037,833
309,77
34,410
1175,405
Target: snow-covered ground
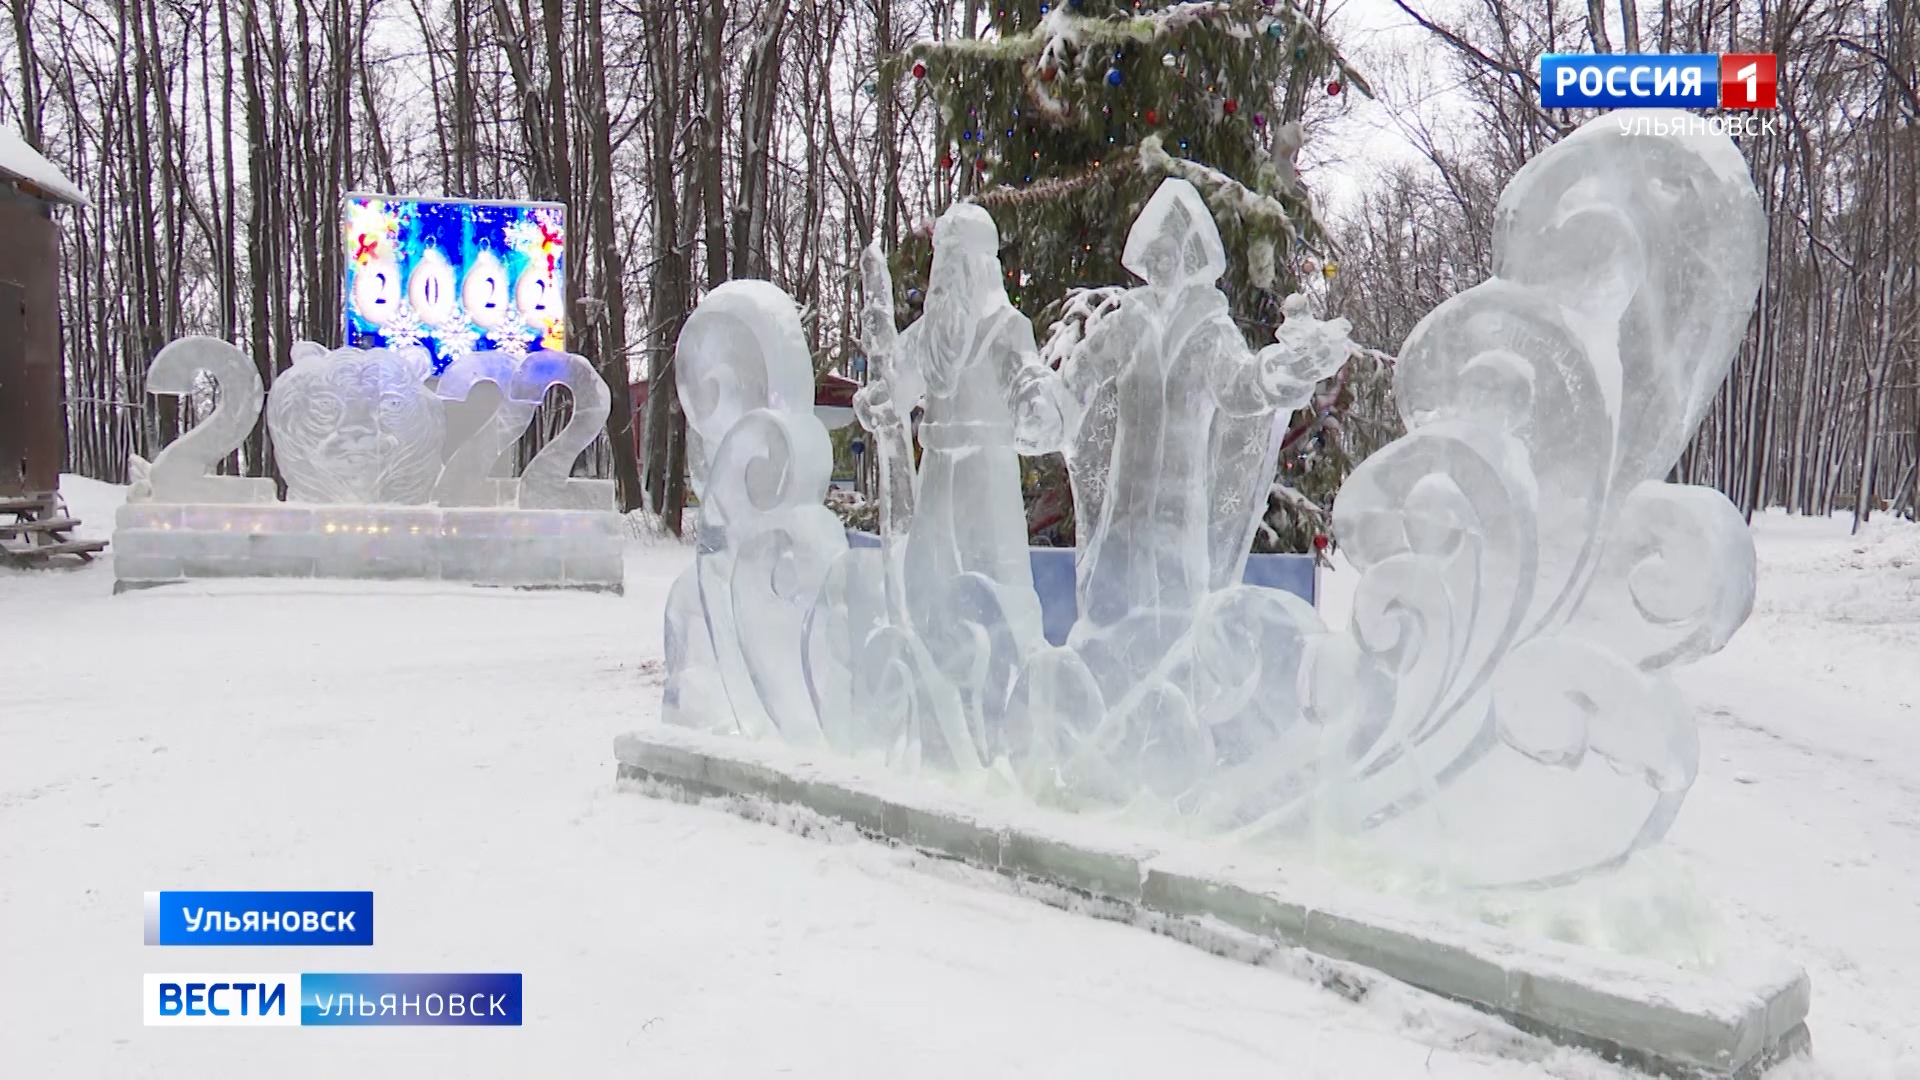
x,y
451,749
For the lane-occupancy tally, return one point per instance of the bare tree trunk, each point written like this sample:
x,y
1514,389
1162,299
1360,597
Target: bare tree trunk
x,y
672,276
260,241
29,72
382,158
612,314
760,87
887,123
713,125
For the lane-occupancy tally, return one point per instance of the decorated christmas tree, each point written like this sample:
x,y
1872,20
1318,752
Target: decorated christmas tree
x,y
1062,119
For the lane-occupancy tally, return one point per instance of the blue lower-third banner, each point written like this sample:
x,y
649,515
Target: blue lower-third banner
x,y
390,999
333,999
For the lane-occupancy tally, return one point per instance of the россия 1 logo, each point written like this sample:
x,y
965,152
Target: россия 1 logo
x,y
1678,81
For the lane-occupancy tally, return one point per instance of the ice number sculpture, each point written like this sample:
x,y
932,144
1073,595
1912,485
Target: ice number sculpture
x,y
363,427
183,471
1497,712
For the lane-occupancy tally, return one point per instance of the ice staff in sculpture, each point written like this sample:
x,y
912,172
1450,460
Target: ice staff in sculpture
x,y
1175,443
874,406
968,581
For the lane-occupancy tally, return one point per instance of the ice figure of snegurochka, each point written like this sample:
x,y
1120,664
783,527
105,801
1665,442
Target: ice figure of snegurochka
x,y
968,578
356,425
760,462
1173,669
1176,416
1500,708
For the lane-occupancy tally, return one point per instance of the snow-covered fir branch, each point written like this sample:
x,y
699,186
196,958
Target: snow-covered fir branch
x,y
1223,193
1080,309
1062,35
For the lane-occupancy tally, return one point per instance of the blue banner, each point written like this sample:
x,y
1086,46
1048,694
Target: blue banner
x,y
259,918
388,999
1633,80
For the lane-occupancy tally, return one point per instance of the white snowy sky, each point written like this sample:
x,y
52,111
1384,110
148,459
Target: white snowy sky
x,y
1368,135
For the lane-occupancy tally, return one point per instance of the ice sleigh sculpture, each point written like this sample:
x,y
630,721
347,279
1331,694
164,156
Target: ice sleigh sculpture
x,y
1499,711
389,474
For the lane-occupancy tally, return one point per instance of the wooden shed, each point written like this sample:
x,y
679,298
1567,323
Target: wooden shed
x,y
34,526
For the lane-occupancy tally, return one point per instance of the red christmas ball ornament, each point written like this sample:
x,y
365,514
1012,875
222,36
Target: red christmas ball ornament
x,y
1319,542
1047,74
919,70
980,164
1229,106
1153,118
946,161
1333,87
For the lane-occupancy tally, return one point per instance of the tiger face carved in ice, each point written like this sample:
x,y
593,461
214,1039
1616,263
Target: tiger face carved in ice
x,y
356,426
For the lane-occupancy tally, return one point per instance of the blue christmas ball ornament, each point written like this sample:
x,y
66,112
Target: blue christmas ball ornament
x,y
913,296
1113,77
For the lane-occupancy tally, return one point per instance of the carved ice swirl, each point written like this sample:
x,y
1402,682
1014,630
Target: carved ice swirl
x,y
1499,708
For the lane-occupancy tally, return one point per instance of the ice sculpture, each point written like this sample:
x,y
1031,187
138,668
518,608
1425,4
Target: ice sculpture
x,y
1175,442
182,471
760,462
546,483
467,478
969,581
1501,703
358,436
356,426
1497,712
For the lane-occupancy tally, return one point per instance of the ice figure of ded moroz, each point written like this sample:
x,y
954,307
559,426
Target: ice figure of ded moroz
x,y
1500,707
356,425
760,462
967,573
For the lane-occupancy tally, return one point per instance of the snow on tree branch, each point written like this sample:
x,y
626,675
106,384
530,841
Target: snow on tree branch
x,y
1062,36
1080,309
1223,193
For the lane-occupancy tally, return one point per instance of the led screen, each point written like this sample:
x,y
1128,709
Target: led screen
x,y
454,275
